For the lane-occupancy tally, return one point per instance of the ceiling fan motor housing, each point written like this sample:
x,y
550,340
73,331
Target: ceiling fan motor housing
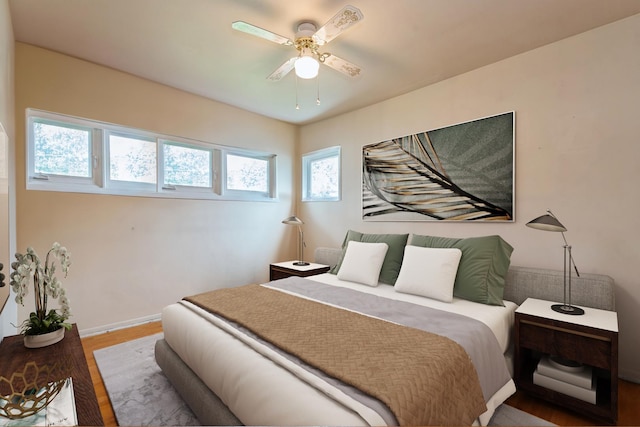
x,y
306,29
304,41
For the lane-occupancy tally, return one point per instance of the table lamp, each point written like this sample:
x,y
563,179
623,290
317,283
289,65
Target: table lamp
x,y
294,220
549,222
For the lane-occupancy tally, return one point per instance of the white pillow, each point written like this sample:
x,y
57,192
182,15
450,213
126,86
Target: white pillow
x,y
362,262
429,272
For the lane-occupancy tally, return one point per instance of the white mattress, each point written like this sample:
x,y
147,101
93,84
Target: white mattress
x,y
258,386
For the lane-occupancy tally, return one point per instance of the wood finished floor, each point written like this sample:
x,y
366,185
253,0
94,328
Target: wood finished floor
x,y
628,409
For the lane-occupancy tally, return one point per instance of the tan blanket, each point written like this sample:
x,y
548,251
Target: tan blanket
x,y
425,379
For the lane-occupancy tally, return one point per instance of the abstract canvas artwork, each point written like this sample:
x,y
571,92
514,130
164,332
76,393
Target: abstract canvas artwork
x,y
463,172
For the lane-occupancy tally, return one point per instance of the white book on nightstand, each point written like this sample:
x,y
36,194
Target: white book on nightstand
x,y
581,376
586,394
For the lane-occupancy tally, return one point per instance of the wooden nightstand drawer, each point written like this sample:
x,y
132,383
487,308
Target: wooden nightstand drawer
x,y
590,346
277,273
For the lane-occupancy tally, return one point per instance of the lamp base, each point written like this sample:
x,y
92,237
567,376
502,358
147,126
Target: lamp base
x,y
300,263
567,309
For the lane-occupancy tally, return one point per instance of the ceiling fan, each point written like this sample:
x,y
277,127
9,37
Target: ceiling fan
x,y
307,41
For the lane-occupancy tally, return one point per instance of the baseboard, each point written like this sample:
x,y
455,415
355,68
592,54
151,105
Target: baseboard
x,y
119,325
630,375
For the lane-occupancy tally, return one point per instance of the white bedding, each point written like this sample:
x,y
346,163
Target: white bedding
x,y
498,319
261,391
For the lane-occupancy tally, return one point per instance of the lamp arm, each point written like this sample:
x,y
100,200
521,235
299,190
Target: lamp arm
x,y
301,244
571,261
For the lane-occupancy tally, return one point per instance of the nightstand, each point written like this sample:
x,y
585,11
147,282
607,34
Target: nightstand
x,y
590,340
280,270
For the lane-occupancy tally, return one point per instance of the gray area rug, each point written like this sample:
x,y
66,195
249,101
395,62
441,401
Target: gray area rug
x,y
141,395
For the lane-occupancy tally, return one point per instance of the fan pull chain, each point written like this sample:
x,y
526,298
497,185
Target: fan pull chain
x,y
317,91
297,105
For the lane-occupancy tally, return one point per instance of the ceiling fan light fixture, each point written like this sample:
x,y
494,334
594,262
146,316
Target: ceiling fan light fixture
x,y
307,66
307,40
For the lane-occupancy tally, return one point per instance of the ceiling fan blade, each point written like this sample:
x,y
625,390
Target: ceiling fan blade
x,y
260,32
344,19
282,70
345,67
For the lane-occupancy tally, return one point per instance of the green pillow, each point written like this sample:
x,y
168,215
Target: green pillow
x,y
482,269
393,258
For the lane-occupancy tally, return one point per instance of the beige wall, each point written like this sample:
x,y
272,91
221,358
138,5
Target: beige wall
x,y
577,103
132,255
7,199
6,69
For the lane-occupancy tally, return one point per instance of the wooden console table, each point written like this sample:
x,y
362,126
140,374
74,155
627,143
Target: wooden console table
x,y
14,355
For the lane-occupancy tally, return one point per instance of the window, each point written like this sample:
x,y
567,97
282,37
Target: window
x,y
187,166
78,155
61,150
321,175
132,159
249,173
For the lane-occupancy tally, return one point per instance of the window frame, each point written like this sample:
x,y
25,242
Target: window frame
x,y
40,179
307,160
100,182
214,187
248,194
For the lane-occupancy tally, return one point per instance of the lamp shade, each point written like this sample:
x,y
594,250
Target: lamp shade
x,y
547,222
307,67
292,220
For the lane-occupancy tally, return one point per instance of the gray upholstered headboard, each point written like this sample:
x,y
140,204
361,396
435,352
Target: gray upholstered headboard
x,y
588,290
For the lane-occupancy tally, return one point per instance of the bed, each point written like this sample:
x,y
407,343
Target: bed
x,y
229,374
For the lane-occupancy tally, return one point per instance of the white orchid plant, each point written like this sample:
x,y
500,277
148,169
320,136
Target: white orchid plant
x,y
29,269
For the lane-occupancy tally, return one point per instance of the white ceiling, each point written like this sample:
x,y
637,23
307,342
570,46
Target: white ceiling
x,y
401,45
